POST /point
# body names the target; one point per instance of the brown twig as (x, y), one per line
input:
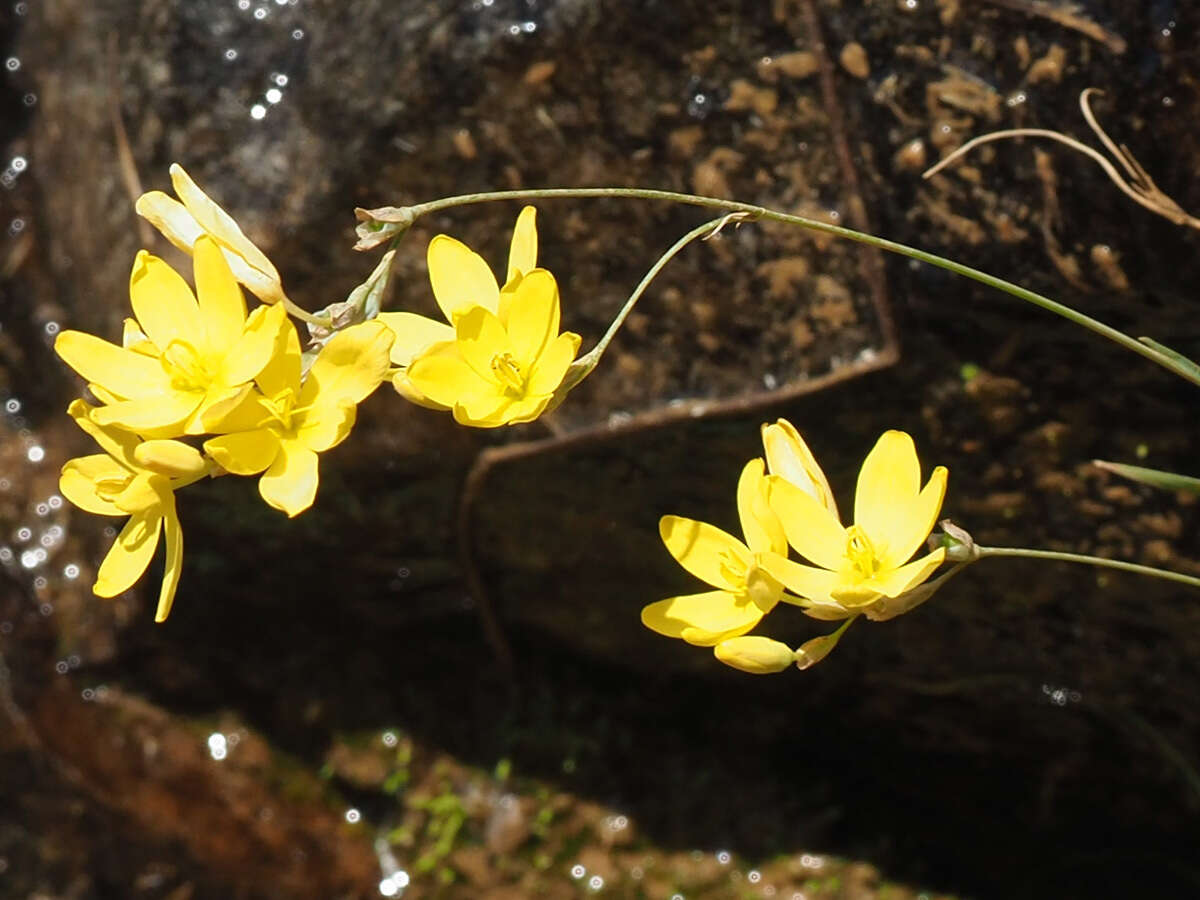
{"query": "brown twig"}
(1137, 184)
(129, 172)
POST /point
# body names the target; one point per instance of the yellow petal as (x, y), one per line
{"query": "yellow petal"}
(282, 371)
(290, 484)
(245, 452)
(895, 582)
(165, 413)
(701, 619)
(174, 459)
(242, 410)
(522, 252)
(533, 313)
(326, 425)
(163, 303)
(219, 403)
(173, 538)
(409, 392)
(349, 367)
(413, 334)
(705, 550)
(789, 457)
(912, 526)
(809, 526)
(81, 476)
(133, 338)
(484, 410)
(444, 378)
(481, 339)
(129, 555)
(526, 410)
(123, 372)
(551, 367)
(755, 654)
(118, 444)
(809, 582)
(888, 484)
(220, 225)
(459, 277)
(760, 525)
(222, 306)
(145, 491)
(170, 217)
(259, 339)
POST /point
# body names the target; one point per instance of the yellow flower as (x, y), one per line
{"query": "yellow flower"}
(857, 566)
(500, 370)
(789, 457)
(181, 357)
(138, 479)
(184, 223)
(755, 654)
(745, 591)
(460, 280)
(280, 431)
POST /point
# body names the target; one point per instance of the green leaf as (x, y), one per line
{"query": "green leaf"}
(1167, 481)
(1179, 363)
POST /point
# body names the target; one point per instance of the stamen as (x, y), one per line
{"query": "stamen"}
(508, 372)
(860, 552)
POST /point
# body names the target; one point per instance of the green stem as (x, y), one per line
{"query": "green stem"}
(305, 316)
(761, 212)
(1165, 574)
(589, 360)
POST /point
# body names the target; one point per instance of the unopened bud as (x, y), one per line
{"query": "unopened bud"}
(754, 654)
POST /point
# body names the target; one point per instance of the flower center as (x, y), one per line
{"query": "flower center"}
(185, 366)
(508, 373)
(861, 556)
(281, 407)
(109, 488)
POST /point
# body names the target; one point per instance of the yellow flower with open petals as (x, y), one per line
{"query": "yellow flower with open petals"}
(858, 565)
(184, 223)
(745, 592)
(138, 479)
(460, 279)
(183, 356)
(280, 431)
(500, 369)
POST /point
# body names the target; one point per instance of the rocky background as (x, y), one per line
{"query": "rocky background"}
(435, 682)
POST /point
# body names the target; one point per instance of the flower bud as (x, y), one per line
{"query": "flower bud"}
(754, 654)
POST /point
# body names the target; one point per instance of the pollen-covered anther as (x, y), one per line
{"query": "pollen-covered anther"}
(182, 362)
(508, 372)
(860, 552)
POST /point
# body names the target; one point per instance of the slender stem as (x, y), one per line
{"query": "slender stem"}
(592, 357)
(305, 316)
(1165, 574)
(761, 212)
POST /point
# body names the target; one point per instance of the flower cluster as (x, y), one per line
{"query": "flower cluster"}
(499, 358)
(860, 569)
(200, 387)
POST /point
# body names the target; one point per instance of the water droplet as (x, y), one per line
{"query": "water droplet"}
(52, 328)
(578, 871)
(88, 695)
(6, 627)
(514, 29)
(1168, 101)
(40, 583)
(21, 8)
(595, 882)
(217, 746)
(16, 226)
(54, 501)
(71, 571)
(12, 406)
(231, 54)
(298, 34)
(280, 79)
(6, 555)
(61, 667)
(24, 533)
(754, 876)
(261, 13)
(274, 95)
(29, 99)
(35, 454)
(18, 164)
(12, 64)
(530, 28)
(258, 111)
(723, 857)
(353, 815)
(243, 5)
(390, 739)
